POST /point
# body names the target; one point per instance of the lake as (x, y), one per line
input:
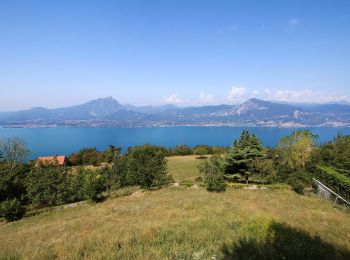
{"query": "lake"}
(64, 141)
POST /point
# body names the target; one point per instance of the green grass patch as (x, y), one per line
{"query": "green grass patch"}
(184, 167)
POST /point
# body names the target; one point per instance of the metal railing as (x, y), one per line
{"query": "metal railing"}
(323, 189)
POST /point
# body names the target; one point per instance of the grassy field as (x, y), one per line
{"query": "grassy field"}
(185, 223)
(183, 168)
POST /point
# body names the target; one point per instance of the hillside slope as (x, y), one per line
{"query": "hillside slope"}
(185, 223)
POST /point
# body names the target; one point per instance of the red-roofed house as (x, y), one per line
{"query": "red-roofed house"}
(61, 160)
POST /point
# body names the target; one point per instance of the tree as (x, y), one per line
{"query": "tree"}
(212, 169)
(182, 150)
(263, 169)
(111, 153)
(202, 150)
(88, 184)
(335, 153)
(12, 181)
(14, 151)
(49, 185)
(294, 151)
(86, 156)
(12, 209)
(239, 160)
(117, 175)
(146, 166)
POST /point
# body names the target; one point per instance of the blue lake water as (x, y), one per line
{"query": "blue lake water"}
(59, 141)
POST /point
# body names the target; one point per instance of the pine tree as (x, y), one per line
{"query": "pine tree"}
(239, 160)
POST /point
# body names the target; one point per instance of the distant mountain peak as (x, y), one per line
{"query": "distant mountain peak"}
(108, 111)
(105, 99)
(255, 100)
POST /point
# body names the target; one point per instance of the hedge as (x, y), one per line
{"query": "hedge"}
(344, 172)
(338, 182)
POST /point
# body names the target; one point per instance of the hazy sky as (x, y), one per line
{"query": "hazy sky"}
(58, 53)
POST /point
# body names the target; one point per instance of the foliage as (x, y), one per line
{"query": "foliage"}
(88, 184)
(245, 150)
(344, 172)
(117, 175)
(263, 170)
(12, 181)
(49, 185)
(181, 150)
(212, 169)
(146, 166)
(293, 152)
(14, 151)
(335, 153)
(111, 153)
(299, 180)
(338, 182)
(202, 150)
(12, 209)
(86, 156)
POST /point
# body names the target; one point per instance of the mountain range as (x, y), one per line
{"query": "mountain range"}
(108, 112)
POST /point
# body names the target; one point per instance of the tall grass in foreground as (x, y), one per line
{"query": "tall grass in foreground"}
(183, 223)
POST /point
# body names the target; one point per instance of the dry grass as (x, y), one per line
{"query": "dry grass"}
(170, 223)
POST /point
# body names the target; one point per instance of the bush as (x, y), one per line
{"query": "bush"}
(298, 187)
(86, 156)
(12, 209)
(212, 170)
(181, 150)
(88, 185)
(335, 153)
(117, 174)
(344, 172)
(147, 167)
(299, 181)
(264, 171)
(334, 180)
(49, 185)
(202, 150)
(12, 181)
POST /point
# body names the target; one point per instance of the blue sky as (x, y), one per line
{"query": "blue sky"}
(59, 53)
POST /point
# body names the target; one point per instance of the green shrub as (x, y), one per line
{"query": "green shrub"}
(212, 169)
(49, 185)
(88, 185)
(299, 181)
(181, 150)
(298, 187)
(334, 180)
(147, 167)
(116, 175)
(344, 172)
(12, 209)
